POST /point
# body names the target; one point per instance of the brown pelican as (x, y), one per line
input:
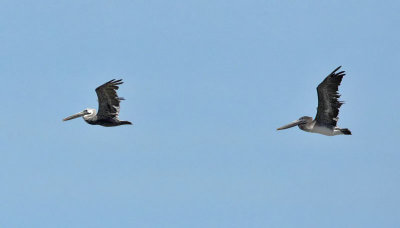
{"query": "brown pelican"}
(327, 111)
(108, 107)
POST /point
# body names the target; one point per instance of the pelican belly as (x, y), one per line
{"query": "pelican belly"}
(323, 130)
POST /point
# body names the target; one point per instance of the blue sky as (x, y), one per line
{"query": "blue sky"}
(206, 85)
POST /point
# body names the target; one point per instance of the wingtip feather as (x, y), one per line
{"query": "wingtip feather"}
(337, 68)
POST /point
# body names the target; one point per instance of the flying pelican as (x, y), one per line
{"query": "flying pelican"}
(108, 107)
(327, 111)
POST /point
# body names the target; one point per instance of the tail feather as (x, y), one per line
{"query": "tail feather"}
(345, 131)
(125, 122)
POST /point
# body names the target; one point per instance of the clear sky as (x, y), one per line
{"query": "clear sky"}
(206, 85)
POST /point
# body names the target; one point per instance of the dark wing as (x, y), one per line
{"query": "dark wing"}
(108, 99)
(328, 103)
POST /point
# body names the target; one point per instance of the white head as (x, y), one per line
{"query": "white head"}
(86, 114)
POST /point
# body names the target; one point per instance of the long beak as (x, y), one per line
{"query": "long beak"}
(292, 124)
(75, 116)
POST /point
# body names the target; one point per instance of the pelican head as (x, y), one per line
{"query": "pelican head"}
(85, 113)
(300, 122)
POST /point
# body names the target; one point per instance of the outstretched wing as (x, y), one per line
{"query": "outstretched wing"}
(108, 99)
(328, 103)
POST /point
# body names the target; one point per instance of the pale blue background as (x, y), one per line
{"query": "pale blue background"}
(206, 84)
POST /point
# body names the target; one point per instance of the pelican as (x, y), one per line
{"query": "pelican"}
(328, 109)
(108, 107)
